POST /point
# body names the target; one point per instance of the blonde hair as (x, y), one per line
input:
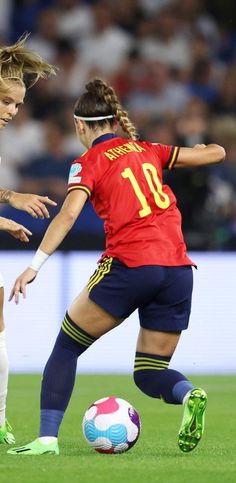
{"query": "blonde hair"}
(23, 65)
(4, 88)
(101, 100)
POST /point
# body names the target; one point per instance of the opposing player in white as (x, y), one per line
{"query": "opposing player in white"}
(19, 68)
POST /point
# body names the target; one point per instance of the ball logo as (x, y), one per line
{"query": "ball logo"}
(75, 169)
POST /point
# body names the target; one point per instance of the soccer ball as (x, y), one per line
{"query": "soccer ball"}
(111, 425)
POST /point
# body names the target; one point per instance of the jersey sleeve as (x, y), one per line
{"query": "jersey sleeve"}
(168, 155)
(81, 177)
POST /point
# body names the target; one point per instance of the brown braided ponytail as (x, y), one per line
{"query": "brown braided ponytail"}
(21, 64)
(99, 99)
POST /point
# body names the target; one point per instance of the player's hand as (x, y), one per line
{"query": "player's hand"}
(15, 229)
(20, 284)
(32, 204)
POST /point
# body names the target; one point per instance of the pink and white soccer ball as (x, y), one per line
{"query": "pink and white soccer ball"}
(111, 425)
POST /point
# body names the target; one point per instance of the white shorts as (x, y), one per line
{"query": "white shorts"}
(1, 281)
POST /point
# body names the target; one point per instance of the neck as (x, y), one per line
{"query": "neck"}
(96, 134)
(99, 133)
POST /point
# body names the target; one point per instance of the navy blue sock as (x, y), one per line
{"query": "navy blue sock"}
(59, 375)
(152, 376)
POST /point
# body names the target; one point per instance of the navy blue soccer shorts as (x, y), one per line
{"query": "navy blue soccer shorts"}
(162, 295)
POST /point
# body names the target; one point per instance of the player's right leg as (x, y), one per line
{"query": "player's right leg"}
(85, 321)
(193, 422)
(154, 378)
(60, 370)
(6, 436)
(162, 321)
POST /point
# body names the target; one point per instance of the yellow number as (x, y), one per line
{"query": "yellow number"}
(161, 199)
(146, 210)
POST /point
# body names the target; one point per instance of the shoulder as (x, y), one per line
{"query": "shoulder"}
(78, 162)
(151, 145)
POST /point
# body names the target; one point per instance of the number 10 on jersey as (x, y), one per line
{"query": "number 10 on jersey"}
(162, 200)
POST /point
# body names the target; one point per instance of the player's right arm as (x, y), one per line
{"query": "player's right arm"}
(63, 222)
(55, 234)
(200, 155)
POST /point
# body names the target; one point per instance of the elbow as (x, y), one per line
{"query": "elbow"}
(68, 218)
(220, 154)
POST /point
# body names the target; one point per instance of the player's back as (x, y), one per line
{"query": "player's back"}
(142, 223)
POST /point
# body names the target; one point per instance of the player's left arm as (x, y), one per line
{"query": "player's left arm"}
(55, 234)
(199, 155)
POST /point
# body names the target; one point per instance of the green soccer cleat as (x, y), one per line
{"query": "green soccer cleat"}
(36, 448)
(192, 426)
(6, 436)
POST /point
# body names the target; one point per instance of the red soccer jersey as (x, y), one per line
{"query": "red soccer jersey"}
(124, 181)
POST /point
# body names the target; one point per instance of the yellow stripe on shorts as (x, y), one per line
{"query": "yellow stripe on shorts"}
(103, 269)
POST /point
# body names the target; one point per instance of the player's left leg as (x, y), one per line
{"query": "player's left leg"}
(6, 436)
(154, 378)
(84, 323)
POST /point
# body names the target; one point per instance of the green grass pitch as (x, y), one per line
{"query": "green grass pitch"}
(155, 457)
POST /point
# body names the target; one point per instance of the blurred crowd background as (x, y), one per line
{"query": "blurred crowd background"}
(173, 64)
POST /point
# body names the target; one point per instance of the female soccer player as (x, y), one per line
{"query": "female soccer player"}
(144, 266)
(19, 68)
